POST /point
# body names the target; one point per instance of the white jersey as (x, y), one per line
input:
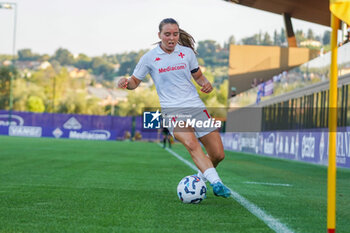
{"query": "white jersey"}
(171, 74)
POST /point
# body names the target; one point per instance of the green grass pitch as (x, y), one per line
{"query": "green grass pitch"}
(49, 185)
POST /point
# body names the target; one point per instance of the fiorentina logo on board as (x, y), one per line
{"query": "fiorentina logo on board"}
(72, 123)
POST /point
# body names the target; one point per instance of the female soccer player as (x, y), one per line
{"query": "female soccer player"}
(171, 65)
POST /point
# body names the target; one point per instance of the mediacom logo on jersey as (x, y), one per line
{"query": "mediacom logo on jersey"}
(180, 66)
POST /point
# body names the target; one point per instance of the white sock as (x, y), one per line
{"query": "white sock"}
(211, 175)
(200, 175)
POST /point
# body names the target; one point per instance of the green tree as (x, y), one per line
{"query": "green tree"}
(4, 57)
(310, 34)
(326, 39)
(252, 40)
(110, 58)
(74, 103)
(63, 56)
(299, 35)
(35, 104)
(23, 90)
(127, 67)
(210, 51)
(93, 106)
(283, 36)
(128, 61)
(231, 40)
(201, 61)
(276, 38)
(54, 84)
(83, 62)
(100, 66)
(206, 48)
(267, 39)
(222, 93)
(44, 57)
(137, 101)
(5, 76)
(27, 55)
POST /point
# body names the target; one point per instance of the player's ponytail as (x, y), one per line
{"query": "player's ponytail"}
(185, 39)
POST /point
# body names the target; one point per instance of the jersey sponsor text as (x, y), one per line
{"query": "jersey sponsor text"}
(180, 66)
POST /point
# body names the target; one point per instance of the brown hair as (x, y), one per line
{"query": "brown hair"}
(185, 39)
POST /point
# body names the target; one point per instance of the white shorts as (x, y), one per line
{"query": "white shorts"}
(197, 118)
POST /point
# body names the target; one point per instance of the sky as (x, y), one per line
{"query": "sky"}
(115, 26)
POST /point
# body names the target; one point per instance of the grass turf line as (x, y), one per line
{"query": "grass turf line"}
(49, 185)
(303, 206)
(269, 220)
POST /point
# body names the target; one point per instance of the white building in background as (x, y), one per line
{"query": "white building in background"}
(44, 65)
(30, 65)
(6, 63)
(108, 96)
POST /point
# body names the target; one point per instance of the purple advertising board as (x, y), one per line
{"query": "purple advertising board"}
(72, 126)
(308, 146)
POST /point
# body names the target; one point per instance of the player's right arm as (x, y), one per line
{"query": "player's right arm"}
(140, 72)
(130, 83)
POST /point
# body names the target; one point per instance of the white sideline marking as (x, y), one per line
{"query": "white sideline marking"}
(263, 183)
(270, 221)
(191, 165)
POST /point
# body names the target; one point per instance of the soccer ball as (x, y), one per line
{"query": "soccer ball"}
(191, 189)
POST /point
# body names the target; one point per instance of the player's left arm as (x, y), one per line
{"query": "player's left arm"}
(202, 81)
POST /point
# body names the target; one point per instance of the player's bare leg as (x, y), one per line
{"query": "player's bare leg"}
(204, 163)
(187, 137)
(214, 147)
